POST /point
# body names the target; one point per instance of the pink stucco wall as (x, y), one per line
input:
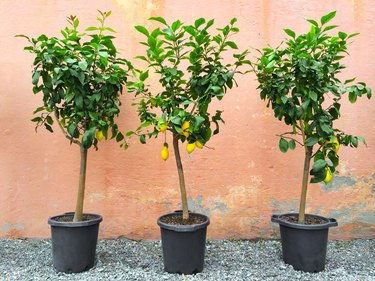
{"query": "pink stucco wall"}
(239, 183)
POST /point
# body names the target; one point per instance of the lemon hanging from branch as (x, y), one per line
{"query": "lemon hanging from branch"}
(328, 177)
(164, 153)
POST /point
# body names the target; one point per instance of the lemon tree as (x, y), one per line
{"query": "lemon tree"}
(299, 80)
(189, 62)
(79, 78)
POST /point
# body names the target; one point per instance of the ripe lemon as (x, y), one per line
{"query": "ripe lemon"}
(328, 177)
(164, 153)
(185, 128)
(163, 127)
(99, 135)
(335, 144)
(199, 144)
(190, 147)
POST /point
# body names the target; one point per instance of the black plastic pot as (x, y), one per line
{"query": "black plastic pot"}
(304, 246)
(74, 243)
(183, 245)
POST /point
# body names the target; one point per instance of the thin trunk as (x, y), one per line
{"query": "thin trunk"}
(185, 209)
(81, 187)
(306, 170)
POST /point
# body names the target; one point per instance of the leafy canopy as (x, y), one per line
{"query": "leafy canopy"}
(80, 78)
(188, 60)
(299, 81)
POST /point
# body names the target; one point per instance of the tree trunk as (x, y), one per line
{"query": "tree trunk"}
(306, 170)
(185, 208)
(81, 187)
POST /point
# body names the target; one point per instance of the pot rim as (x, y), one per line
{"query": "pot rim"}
(330, 222)
(52, 220)
(183, 228)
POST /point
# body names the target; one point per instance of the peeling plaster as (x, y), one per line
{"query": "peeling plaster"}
(284, 206)
(337, 182)
(6, 227)
(366, 218)
(195, 205)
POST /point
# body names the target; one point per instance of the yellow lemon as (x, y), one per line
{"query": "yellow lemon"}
(99, 135)
(163, 128)
(190, 147)
(335, 144)
(328, 177)
(185, 128)
(199, 144)
(164, 153)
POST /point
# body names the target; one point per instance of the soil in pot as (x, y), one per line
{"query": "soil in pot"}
(184, 243)
(178, 220)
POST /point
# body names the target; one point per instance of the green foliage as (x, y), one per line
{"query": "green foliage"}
(299, 81)
(80, 79)
(188, 60)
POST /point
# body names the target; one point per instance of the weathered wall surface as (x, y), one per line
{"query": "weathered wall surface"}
(239, 184)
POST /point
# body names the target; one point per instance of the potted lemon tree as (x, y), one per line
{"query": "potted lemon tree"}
(189, 62)
(299, 80)
(79, 78)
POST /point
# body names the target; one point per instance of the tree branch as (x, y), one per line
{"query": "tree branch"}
(65, 133)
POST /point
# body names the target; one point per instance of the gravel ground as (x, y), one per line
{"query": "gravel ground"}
(124, 259)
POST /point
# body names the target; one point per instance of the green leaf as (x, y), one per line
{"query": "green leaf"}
(143, 75)
(290, 32)
(334, 158)
(159, 19)
(352, 97)
(349, 80)
(311, 141)
(319, 165)
(142, 30)
(283, 145)
(119, 137)
(327, 17)
(199, 22)
(362, 139)
(48, 127)
(175, 25)
(36, 119)
(329, 27)
(354, 141)
(79, 101)
(231, 44)
(88, 137)
(353, 34)
(313, 96)
(342, 35)
(312, 22)
(142, 139)
(270, 64)
(73, 130)
(35, 78)
(81, 77)
(110, 29)
(49, 120)
(190, 29)
(292, 144)
(103, 54)
(82, 65)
